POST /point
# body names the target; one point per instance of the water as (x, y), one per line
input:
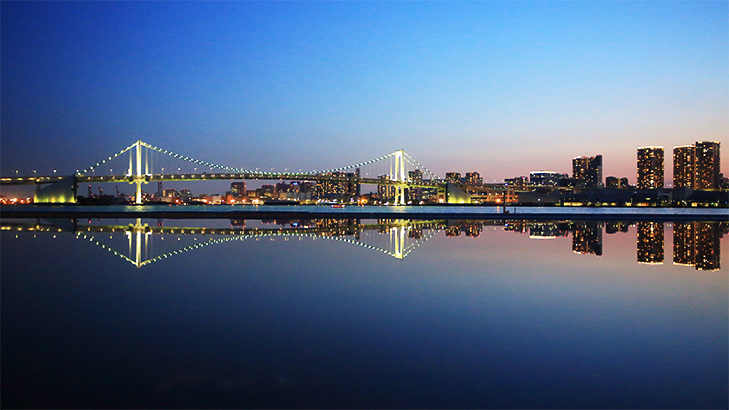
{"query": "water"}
(219, 313)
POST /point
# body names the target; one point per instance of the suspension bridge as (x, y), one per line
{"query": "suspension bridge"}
(144, 166)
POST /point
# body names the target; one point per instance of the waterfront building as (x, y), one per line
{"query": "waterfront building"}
(650, 243)
(546, 178)
(517, 182)
(454, 177)
(617, 183)
(588, 169)
(473, 178)
(385, 192)
(650, 167)
(238, 188)
(415, 176)
(415, 194)
(683, 166)
(612, 182)
(171, 193)
(706, 165)
(339, 185)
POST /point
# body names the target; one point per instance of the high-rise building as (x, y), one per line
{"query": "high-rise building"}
(650, 167)
(238, 188)
(385, 191)
(473, 178)
(415, 193)
(517, 182)
(683, 166)
(588, 169)
(650, 243)
(706, 165)
(339, 184)
(454, 177)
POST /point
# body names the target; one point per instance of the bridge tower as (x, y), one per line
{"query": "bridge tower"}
(138, 178)
(399, 175)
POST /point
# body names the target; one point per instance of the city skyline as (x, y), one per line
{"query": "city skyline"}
(700, 160)
(498, 88)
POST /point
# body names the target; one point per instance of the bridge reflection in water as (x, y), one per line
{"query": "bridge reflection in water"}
(134, 242)
(695, 243)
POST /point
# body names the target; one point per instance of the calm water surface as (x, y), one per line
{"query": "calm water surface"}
(154, 313)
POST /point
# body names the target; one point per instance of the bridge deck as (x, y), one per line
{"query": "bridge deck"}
(213, 177)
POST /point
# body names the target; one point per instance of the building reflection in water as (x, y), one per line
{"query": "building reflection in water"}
(587, 238)
(616, 227)
(650, 243)
(697, 244)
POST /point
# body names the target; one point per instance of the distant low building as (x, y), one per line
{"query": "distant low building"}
(546, 178)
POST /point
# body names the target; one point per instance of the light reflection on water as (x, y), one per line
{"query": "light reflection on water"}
(366, 313)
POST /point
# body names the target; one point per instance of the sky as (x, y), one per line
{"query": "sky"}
(502, 88)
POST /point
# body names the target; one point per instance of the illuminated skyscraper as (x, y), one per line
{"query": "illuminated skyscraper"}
(588, 169)
(339, 184)
(385, 192)
(683, 166)
(706, 165)
(415, 193)
(650, 167)
(650, 242)
(473, 178)
(454, 177)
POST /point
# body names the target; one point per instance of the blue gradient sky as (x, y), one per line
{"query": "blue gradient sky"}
(502, 88)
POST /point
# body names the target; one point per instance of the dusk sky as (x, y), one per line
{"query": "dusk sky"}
(502, 88)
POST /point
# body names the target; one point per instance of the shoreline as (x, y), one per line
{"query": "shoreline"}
(363, 212)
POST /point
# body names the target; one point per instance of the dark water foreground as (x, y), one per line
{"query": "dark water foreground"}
(350, 312)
